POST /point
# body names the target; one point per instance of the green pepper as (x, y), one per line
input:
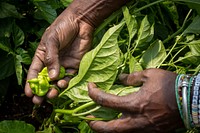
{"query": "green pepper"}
(62, 72)
(40, 85)
(43, 86)
(34, 85)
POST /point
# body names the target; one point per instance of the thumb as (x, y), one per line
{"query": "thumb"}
(134, 79)
(52, 58)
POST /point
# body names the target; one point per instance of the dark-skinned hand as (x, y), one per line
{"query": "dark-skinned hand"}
(64, 43)
(152, 109)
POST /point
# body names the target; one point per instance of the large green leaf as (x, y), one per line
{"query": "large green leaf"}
(5, 46)
(194, 26)
(18, 69)
(9, 126)
(190, 58)
(130, 22)
(145, 33)
(153, 55)
(8, 10)
(18, 35)
(195, 47)
(6, 27)
(45, 11)
(134, 65)
(99, 66)
(23, 56)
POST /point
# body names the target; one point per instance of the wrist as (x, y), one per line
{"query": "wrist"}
(94, 12)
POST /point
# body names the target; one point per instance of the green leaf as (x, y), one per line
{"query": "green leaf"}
(171, 8)
(153, 55)
(5, 46)
(46, 11)
(18, 35)
(84, 128)
(23, 56)
(15, 126)
(190, 58)
(98, 66)
(134, 65)
(8, 10)
(6, 65)
(145, 33)
(194, 47)
(130, 22)
(18, 69)
(194, 26)
(66, 2)
(6, 27)
(122, 90)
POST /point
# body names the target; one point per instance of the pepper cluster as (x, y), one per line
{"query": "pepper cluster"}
(41, 85)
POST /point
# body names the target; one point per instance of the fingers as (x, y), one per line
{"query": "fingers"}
(125, 125)
(37, 100)
(134, 79)
(33, 71)
(120, 103)
(51, 59)
(63, 83)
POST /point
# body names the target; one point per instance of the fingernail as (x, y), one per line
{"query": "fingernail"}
(52, 73)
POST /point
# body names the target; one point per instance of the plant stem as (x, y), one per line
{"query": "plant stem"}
(87, 112)
(84, 106)
(74, 111)
(174, 35)
(64, 111)
(93, 119)
(146, 6)
(180, 30)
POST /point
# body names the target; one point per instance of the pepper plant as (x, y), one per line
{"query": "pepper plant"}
(144, 34)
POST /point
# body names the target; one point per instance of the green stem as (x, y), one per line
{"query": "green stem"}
(146, 6)
(87, 112)
(74, 111)
(84, 106)
(176, 54)
(173, 35)
(169, 51)
(93, 119)
(64, 111)
(180, 30)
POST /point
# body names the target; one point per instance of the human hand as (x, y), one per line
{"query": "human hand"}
(64, 43)
(152, 109)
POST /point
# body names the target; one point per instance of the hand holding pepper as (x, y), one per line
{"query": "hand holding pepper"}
(67, 39)
(63, 43)
(153, 106)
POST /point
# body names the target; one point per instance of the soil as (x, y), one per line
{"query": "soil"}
(16, 106)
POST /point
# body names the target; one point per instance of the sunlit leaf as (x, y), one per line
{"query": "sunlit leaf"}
(130, 22)
(194, 26)
(145, 33)
(18, 69)
(153, 55)
(98, 65)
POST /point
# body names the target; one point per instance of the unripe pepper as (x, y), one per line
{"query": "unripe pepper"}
(43, 87)
(40, 85)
